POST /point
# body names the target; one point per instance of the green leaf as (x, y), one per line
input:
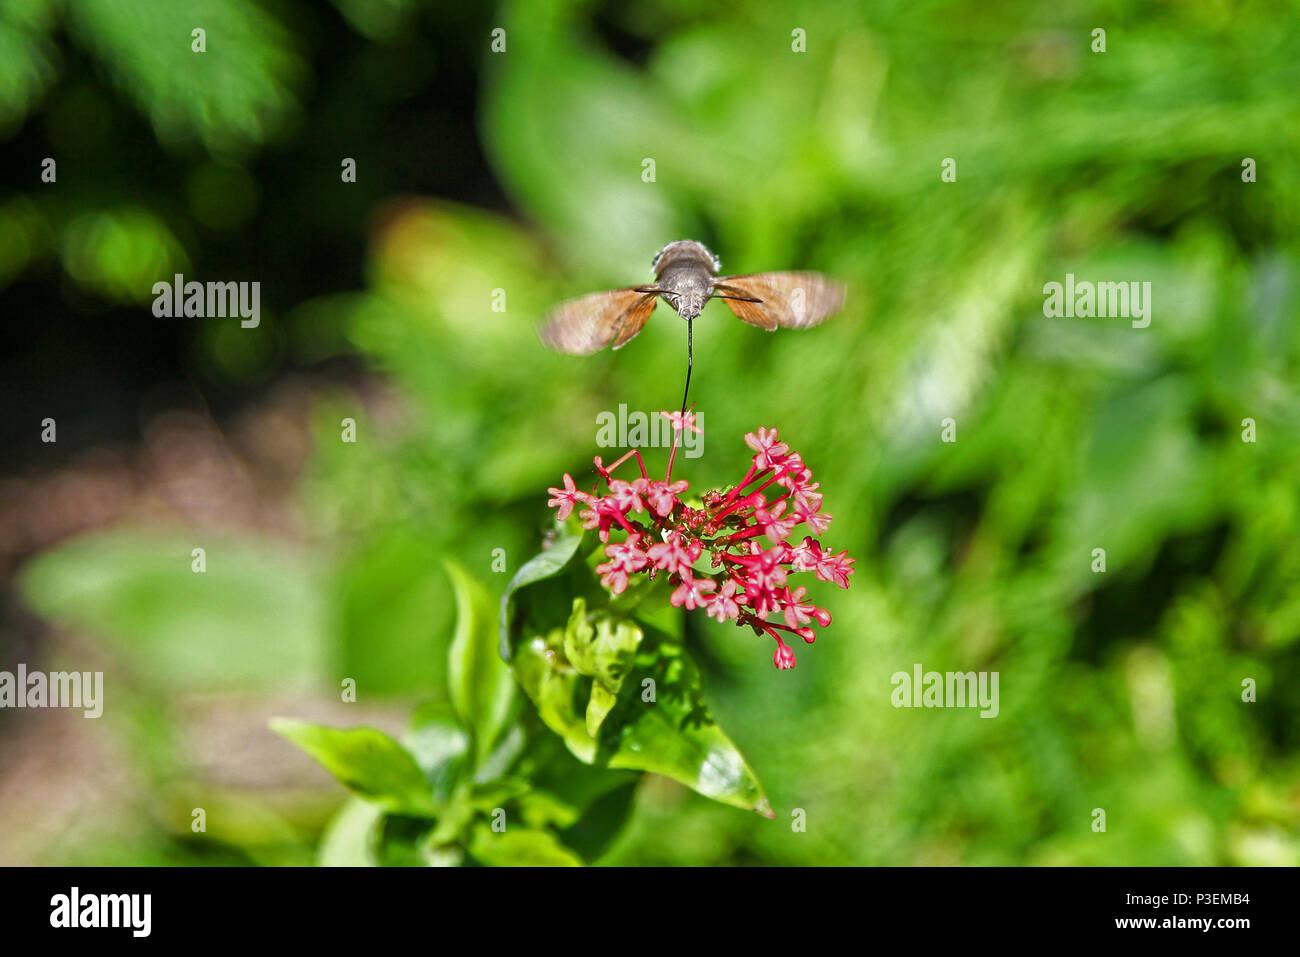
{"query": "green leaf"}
(503, 758)
(453, 820)
(520, 847)
(605, 649)
(443, 856)
(599, 706)
(481, 687)
(555, 609)
(440, 747)
(28, 65)
(601, 646)
(557, 690)
(657, 720)
(366, 761)
(675, 735)
(350, 837)
(555, 770)
(547, 564)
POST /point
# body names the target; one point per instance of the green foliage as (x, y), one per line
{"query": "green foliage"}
(525, 848)
(28, 58)
(151, 50)
(368, 762)
(481, 686)
(456, 791)
(620, 692)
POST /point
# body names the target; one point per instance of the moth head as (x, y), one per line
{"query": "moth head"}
(687, 304)
(691, 305)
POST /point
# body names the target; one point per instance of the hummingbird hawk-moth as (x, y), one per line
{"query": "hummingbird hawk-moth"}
(686, 277)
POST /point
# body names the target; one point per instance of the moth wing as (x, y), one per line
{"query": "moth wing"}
(635, 319)
(590, 323)
(785, 300)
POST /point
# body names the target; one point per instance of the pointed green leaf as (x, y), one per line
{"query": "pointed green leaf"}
(547, 564)
(599, 706)
(481, 687)
(366, 761)
(675, 735)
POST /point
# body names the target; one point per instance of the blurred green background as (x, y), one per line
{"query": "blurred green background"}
(522, 171)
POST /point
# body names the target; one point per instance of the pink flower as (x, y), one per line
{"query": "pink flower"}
(770, 452)
(796, 610)
(835, 569)
(764, 600)
(628, 555)
(774, 526)
(805, 556)
(612, 577)
(767, 568)
(806, 498)
(676, 554)
(626, 496)
(565, 498)
(599, 517)
(722, 606)
(794, 474)
(682, 421)
(692, 593)
(818, 522)
(662, 496)
(745, 528)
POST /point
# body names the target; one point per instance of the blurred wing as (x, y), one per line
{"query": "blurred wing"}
(786, 300)
(590, 323)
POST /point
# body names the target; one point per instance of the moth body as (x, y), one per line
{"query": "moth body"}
(687, 277)
(684, 273)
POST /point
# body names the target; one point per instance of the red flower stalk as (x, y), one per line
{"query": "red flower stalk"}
(744, 530)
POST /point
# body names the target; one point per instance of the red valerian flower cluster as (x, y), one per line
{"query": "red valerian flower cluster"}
(745, 530)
